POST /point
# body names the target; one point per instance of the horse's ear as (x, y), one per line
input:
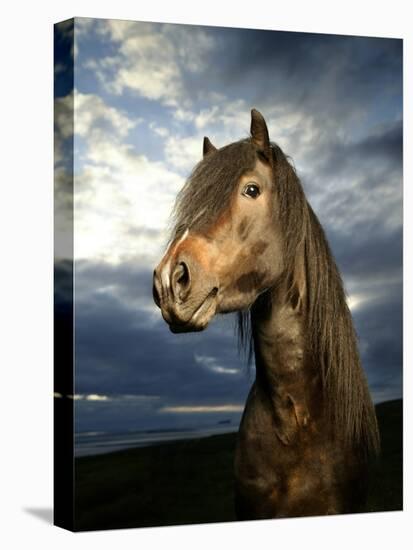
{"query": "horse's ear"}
(208, 147)
(259, 130)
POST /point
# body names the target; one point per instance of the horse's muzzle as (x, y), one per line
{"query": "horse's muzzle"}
(186, 295)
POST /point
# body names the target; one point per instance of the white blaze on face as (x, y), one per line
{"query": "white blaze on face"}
(171, 252)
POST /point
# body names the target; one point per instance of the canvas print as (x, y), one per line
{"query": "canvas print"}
(228, 274)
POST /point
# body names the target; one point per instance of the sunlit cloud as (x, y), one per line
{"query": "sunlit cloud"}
(355, 301)
(116, 398)
(151, 59)
(91, 397)
(213, 365)
(122, 199)
(92, 114)
(187, 409)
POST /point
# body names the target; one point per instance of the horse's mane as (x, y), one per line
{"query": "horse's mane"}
(331, 336)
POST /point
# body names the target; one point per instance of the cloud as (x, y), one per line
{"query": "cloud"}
(114, 201)
(203, 409)
(63, 118)
(160, 130)
(91, 397)
(356, 184)
(147, 94)
(105, 398)
(380, 328)
(184, 152)
(124, 348)
(151, 59)
(211, 363)
(63, 176)
(92, 114)
(116, 187)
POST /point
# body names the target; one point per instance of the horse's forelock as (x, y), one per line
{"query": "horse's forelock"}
(207, 191)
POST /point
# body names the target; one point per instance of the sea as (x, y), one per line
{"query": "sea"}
(97, 443)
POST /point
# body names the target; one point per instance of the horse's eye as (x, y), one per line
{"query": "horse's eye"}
(251, 190)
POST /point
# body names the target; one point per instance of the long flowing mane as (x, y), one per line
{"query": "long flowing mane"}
(331, 337)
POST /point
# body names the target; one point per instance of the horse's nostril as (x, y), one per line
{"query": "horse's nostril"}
(181, 280)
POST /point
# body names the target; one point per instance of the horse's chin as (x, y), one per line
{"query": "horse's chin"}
(178, 328)
(200, 319)
(190, 326)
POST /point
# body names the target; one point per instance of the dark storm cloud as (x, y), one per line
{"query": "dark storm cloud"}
(95, 280)
(63, 57)
(63, 283)
(328, 75)
(369, 254)
(124, 348)
(356, 190)
(118, 354)
(382, 149)
(379, 326)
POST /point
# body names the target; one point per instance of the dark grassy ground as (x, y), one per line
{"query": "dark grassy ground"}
(387, 486)
(192, 481)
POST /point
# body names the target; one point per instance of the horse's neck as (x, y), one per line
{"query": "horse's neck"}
(285, 375)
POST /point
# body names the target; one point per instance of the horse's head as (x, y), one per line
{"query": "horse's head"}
(225, 249)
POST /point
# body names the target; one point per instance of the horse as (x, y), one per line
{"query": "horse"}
(245, 239)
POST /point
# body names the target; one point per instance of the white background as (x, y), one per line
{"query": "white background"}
(26, 233)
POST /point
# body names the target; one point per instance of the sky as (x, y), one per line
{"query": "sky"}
(145, 95)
